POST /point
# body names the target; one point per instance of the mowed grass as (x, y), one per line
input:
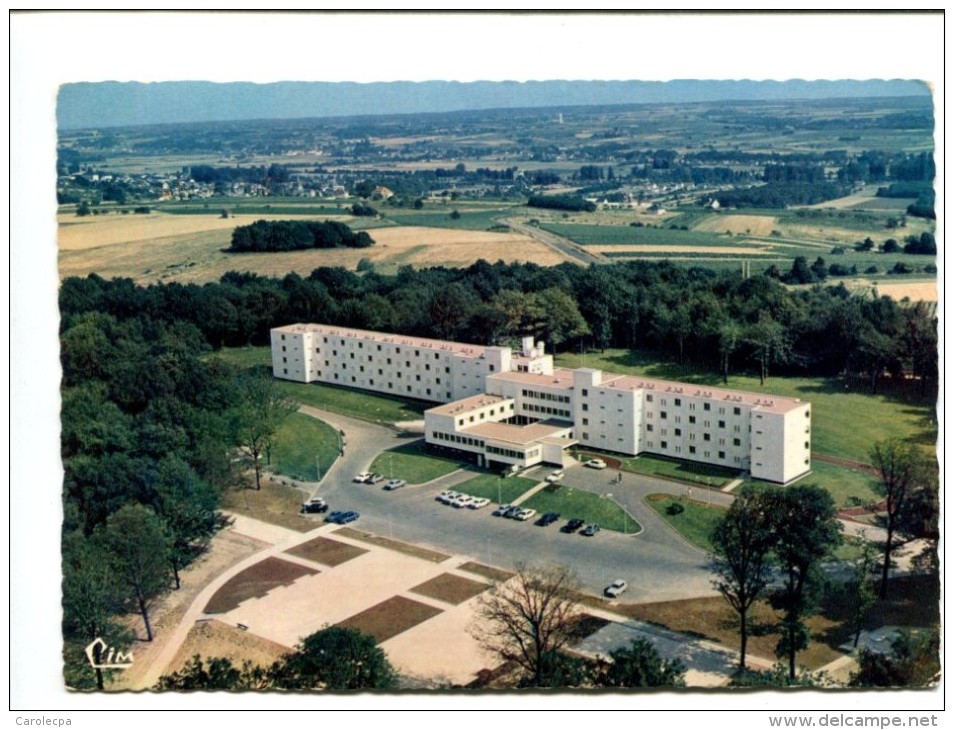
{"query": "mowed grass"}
(300, 444)
(695, 523)
(413, 463)
(587, 506)
(496, 488)
(683, 471)
(596, 235)
(844, 424)
(470, 219)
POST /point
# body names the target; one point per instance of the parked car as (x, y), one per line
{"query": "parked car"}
(525, 514)
(395, 484)
(572, 526)
(314, 505)
(347, 517)
(512, 512)
(548, 519)
(501, 510)
(615, 589)
(478, 502)
(462, 500)
(595, 464)
(374, 478)
(555, 476)
(362, 478)
(591, 530)
(446, 496)
(334, 516)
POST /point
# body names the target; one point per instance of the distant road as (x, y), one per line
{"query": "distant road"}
(559, 243)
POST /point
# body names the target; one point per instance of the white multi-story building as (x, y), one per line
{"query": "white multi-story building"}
(516, 408)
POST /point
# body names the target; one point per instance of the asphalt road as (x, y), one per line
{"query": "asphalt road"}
(657, 563)
(563, 245)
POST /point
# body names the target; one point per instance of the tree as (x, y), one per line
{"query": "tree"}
(904, 470)
(136, 544)
(742, 543)
(215, 673)
(92, 597)
(334, 658)
(806, 530)
(864, 593)
(529, 617)
(455, 214)
(263, 408)
(913, 662)
(770, 343)
(640, 665)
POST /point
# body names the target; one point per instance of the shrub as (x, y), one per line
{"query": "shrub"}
(675, 509)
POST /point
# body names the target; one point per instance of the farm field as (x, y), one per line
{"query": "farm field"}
(188, 248)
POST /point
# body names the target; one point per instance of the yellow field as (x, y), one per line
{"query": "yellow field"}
(916, 291)
(756, 225)
(158, 247)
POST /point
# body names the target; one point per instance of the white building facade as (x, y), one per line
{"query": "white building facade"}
(516, 409)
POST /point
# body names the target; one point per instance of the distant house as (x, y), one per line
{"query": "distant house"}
(382, 192)
(715, 205)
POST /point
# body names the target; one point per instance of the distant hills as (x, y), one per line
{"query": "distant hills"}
(119, 104)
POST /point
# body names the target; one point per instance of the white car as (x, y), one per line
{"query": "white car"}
(394, 484)
(446, 496)
(595, 464)
(362, 478)
(525, 514)
(462, 500)
(615, 589)
(555, 476)
(479, 502)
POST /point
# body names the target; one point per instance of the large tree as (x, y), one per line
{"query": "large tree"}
(334, 658)
(529, 617)
(905, 474)
(136, 544)
(640, 665)
(742, 544)
(262, 409)
(806, 531)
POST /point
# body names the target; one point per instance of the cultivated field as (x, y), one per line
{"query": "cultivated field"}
(756, 225)
(728, 250)
(188, 248)
(916, 291)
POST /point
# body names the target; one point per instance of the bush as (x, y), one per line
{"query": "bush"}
(675, 509)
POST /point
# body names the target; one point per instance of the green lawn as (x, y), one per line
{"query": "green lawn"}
(440, 217)
(848, 487)
(587, 506)
(844, 424)
(684, 471)
(496, 488)
(413, 463)
(695, 523)
(615, 235)
(301, 444)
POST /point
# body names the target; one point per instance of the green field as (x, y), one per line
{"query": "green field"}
(695, 523)
(683, 471)
(596, 235)
(472, 220)
(496, 488)
(413, 463)
(302, 444)
(579, 504)
(844, 425)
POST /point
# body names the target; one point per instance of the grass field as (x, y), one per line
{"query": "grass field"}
(843, 424)
(695, 523)
(587, 506)
(496, 488)
(413, 463)
(683, 471)
(299, 441)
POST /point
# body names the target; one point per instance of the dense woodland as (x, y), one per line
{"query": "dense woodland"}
(295, 235)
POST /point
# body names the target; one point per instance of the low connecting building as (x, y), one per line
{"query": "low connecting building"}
(509, 408)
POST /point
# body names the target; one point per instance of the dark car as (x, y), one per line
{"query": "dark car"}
(512, 512)
(334, 516)
(548, 519)
(572, 526)
(315, 505)
(350, 516)
(591, 530)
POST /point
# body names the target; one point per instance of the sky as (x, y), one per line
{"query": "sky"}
(53, 48)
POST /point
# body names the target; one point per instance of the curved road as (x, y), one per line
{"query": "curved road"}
(563, 245)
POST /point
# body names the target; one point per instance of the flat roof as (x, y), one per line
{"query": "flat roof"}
(561, 378)
(466, 405)
(521, 435)
(455, 348)
(758, 401)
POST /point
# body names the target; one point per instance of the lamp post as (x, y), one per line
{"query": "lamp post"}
(318, 466)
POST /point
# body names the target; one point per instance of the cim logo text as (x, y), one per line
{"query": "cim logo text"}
(108, 657)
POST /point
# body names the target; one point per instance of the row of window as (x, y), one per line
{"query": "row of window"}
(511, 453)
(483, 414)
(545, 396)
(455, 439)
(547, 410)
